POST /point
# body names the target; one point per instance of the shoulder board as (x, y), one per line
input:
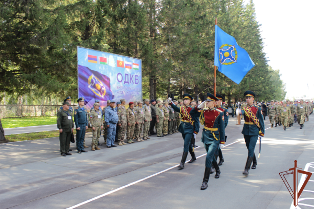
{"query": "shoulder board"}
(219, 110)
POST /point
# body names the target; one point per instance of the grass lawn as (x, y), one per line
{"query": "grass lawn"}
(28, 121)
(34, 136)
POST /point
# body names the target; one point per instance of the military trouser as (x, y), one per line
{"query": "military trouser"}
(80, 137)
(146, 129)
(139, 130)
(250, 142)
(65, 138)
(174, 126)
(121, 131)
(130, 132)
(105, 132)
(170, 124)
(165, 127)
(301, 119)
(153, 123)
(96, 135)
(285, 121)
(111, 134)
(271, 119)
(159, 126)
(187, 141)
(210, 148)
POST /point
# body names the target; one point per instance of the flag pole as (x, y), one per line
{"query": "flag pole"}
(215, 69)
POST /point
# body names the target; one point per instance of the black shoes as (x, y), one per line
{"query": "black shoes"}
(221, 161)
(68, 153)
(253, 166)
(247, 166)
(83, 151)
(70, 149)
(108, 146)
(217, 174)
(193, 156)
(184, 155)
(63, 154)
(113, 145)
(205, 179)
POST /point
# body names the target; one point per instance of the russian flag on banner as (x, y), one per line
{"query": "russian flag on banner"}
(128, 65)
(136, 66)
(92, 59)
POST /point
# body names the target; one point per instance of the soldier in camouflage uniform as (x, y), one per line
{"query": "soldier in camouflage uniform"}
(278, 113)
(291, 116)
(159, 119)
(301, 114)
(307, 110)
(139, 116)
(285, 115)
(96, 122)
(272, 113)
(105, 125)
(171, 120)
(122, 122)
(147, 118)
(130, 115)
(135, 127)
(166, 119)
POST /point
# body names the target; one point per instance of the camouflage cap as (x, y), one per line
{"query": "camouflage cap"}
(140, 101)
(146, 100)
(122, 100)
(108, 101)
(96, 104)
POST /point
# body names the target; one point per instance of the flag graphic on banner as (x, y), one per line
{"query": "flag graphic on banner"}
(92, 59)
(136, 66)
(103, 60)
(231, 60)
(120, 63)
(128, 65)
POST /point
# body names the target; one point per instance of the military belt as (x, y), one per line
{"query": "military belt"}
(186, 121)
(211, 129)
(249, 123)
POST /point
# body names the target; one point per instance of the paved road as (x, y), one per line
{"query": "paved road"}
(30, 129)
(34, 175)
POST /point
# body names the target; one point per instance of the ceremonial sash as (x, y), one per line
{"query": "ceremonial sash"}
(248, 112)
(186, 114)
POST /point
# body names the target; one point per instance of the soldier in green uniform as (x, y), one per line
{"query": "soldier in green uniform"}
(285, 115)
(136, 127)
(278, 114)
(147, 119)
(213, 134)
(171, 120)
(96, 122)
(159, 119)
(105, 124)
(122, 122)
(166, 119)
(272, 113)
(130, 115)
(301, 114)
(68, 99)
(65, 126)
(307, 110)
(140, 121)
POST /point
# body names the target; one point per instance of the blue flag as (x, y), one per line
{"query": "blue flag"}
(231, 60)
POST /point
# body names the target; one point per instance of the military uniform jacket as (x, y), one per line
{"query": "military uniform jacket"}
(122, 114)
(96, 119)
(272, 110)
(153, 108)
(226, 115)
(147, 113)
(65, 120)
(285, 112)
(185, 126)
(301, 109)
(160, 113)
(249, 128)
(166, 112)
(171, 113)
(130, 115)
(111, 116)
(214, 126)
(80, 116)
(139, 115)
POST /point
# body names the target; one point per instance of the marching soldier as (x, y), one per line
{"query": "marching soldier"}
(96, 122)
(122, 122)
(147, 119)
(111, 121)
(278, 114)
(301, 114)
(130, 115)
(81, 122)
(189, 125)
(285, 115)
(65, 126)
(176, 116)
(252, 128)
(213, 134)
(272, 113)
(166, 119)
(159, 119)
(140, 120)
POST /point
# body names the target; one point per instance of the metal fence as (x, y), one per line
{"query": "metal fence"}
(7, 111)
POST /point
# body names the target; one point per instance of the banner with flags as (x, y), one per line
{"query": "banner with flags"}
(231, 60)
(104, 76)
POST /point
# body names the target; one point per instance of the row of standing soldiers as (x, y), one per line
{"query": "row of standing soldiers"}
(286, 113)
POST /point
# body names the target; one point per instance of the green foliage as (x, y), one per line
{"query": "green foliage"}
(174, 39)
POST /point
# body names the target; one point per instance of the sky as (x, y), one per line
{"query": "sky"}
(287, 30)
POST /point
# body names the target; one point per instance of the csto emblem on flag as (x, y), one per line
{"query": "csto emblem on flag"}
(228, 54)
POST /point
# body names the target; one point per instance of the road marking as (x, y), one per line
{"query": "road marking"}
(140, 180)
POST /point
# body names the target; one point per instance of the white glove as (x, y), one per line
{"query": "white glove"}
(194, 136)
(202, 105)
(221, 146)
(169, 99)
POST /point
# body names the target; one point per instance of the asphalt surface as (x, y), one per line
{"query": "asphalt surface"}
(143, 174)
(30, 129)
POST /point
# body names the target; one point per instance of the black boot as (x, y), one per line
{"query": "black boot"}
(221, 161)
(284, 128)
(254, 162)
(300, 126)
(217, 174)
(247, 166)
(205, 179)
(192, 155)
(276, 125)
(184, 155)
